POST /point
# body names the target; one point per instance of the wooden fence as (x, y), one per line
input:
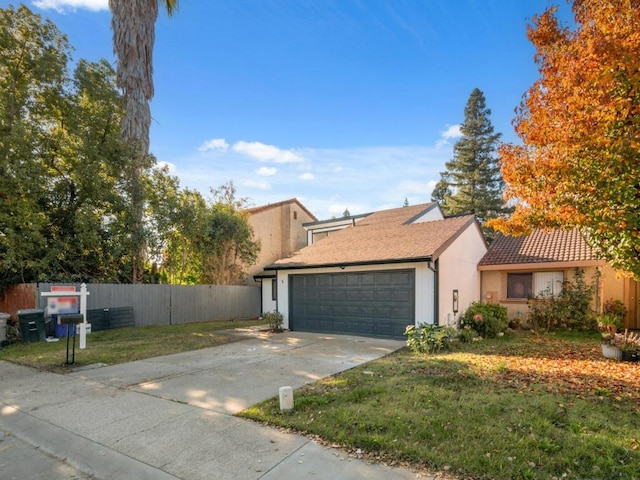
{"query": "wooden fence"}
(164, 304)
(18, 297)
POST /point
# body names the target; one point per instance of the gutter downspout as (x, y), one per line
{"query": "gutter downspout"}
(436, 293)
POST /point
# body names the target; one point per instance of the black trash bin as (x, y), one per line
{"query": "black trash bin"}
(32, 325)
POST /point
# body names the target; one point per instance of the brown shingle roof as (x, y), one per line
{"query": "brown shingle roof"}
(539, 247)
(379, 238)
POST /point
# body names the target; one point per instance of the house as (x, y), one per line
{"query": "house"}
(279, 228)
(375, 274)
(515, 269)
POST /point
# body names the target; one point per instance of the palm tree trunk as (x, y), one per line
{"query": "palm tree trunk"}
(133, 25)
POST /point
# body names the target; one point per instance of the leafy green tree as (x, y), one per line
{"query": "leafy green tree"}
(472, 182)
(184, 255)
(64, 211)
(33, 75)
(212, 243)
(232, 245)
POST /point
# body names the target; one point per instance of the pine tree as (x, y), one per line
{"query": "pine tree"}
(472, 182)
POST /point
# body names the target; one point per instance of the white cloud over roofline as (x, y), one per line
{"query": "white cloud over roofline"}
(265, 153)
(266, 171)
(65, 5)
(258, 184)
(217, 144)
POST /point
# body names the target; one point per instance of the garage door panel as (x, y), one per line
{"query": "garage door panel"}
(379, 303)
(382, 279)
(383, 296)
(401, 296)
(354, 295)
(339, 295)
(367, 279)
(402, 279)
(368, 295)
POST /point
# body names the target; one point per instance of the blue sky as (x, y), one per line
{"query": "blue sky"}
(343, 104)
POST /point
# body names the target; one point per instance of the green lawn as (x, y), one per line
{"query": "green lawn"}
(125, 344)
(518, 407)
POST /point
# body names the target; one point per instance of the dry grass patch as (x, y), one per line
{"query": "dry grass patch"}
(126, 344)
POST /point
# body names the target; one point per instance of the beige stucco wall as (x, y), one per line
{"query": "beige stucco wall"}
(494, 286)
(280, 232)
(457, 270)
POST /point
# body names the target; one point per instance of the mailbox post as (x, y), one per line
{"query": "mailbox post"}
(71, 320)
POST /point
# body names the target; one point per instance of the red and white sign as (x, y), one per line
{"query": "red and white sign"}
(62, 305)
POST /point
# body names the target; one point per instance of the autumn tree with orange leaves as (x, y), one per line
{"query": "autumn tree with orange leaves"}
(579, 164)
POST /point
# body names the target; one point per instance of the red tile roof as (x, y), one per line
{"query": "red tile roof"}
(382, 237)
(539, 247)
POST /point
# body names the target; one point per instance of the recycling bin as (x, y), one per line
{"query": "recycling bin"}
(32, 325)
(4, 317)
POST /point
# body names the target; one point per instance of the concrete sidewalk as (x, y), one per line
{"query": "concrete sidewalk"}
(172, 417)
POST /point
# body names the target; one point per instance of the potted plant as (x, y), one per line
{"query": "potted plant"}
(629, 344)
(608, 325)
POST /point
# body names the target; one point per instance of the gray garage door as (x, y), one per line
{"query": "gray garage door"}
(379, 303)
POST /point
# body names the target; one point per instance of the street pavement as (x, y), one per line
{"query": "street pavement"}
(172, 417)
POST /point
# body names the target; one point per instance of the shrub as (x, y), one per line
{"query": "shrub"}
(466, 334)
(488, 319)
(571, 309)
(610, 323)
(427, 338)
(275, 320)
(616, 308)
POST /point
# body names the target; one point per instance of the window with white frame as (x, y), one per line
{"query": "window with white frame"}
(532, 284)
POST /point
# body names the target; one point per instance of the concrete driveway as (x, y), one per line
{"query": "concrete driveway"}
(171, 417)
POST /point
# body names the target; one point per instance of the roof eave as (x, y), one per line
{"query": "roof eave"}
(543, 265)
(349, 263)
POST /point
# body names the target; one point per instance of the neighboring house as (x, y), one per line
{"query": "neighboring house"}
(375, 274)
(322, 229)
(515, 269)
(279, 228)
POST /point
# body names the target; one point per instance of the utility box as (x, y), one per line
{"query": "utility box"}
(32, 325)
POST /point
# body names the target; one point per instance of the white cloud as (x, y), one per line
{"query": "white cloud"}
(218, 144)
(265, 153)
(64, 5)
(266, 171)
(431, 184)
(260, 185)
(413, 187)
(337, 210)
(170, 167)
(369, 178)
(307, 176)
(452, 131)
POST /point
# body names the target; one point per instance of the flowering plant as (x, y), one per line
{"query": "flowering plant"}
(608, 325)
(627, 341)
